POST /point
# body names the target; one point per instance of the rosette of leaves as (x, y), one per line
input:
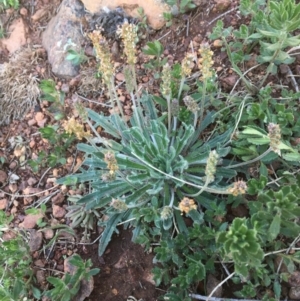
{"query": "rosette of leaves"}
(276, 212)
(155, 169)
(241, 244)
(79, 215)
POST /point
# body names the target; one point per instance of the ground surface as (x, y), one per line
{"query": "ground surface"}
(125, 267)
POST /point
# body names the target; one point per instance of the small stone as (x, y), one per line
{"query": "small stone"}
(120, 77)
(39, 263)
(39, 116)
(16, 203)
(23, 11)
(217, 43)
(3, 204)
(31, 122)
(32, 181)
(65, 88)
(55, 172)
(41, 278)
(13, 165)
(3, 176)
(41, 123)
(294, 293)
(48, 233)
(58, 212)
(39, 14)
(294, 279)
(14, 210)
(58, 199)
(13, 187)
(222, 5)
(35, 242)
(30, 221)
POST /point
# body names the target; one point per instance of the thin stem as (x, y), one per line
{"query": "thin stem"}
(251, 161)
(208, 189)
(135, 109)
(169, 113)
(172, 198)
(181, 87)
(202, 103)
(219, 285)
(112, 86)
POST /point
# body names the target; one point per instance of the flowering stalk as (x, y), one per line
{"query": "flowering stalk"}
(205, 63)
(166, 91)
(106, 67)
(186, 70)
(210, 170)
(128, 33)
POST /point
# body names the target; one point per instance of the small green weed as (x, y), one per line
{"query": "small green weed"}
(60, 141)
(9, 3)
(76, 57)
(67, 287)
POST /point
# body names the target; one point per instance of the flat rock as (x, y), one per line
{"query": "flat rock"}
(58, 212)
(36, 239)
(17, 38)
(153, 9)
(63, 30)
(30, 221)
(86, 287)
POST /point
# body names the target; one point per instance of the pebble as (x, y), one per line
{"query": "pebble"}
(3, 204)
(217, 43)
(23, 11)
(31, 122)
(120, 77)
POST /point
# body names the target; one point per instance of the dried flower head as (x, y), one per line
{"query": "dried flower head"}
(191, 104)
(205, 62)
(118, 205)
(110, 160)
(166, 80)
(239, 187)
(103, 55)
(275, 136)
(210, 169)
(187, 65)
(108, 177)
(186, 205)
(128, 33)
(72, 126)
(166, 213)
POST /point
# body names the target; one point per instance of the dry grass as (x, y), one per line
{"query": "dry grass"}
(19, 85)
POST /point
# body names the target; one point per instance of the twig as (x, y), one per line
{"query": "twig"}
(28, 195)
(164, 35)
(221, 16)
(42, 177)
(98, 103)
(219, 285)
(200, 297)
(294, 83)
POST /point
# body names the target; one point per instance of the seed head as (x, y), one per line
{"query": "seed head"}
(186, 205)
(166, 213)
(108, 177)
(210, 169)
(187, 65)
(239, 187)
(103, 55)
(72, 126)
(166, 80)
(191, 104)
(275, 136)
(205, 62)
(110, 160)
(128, 33)
(118, 205)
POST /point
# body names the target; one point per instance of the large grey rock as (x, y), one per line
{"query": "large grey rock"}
(63, 30)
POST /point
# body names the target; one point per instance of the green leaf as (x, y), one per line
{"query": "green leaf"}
(108, 232)
(274, 228)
